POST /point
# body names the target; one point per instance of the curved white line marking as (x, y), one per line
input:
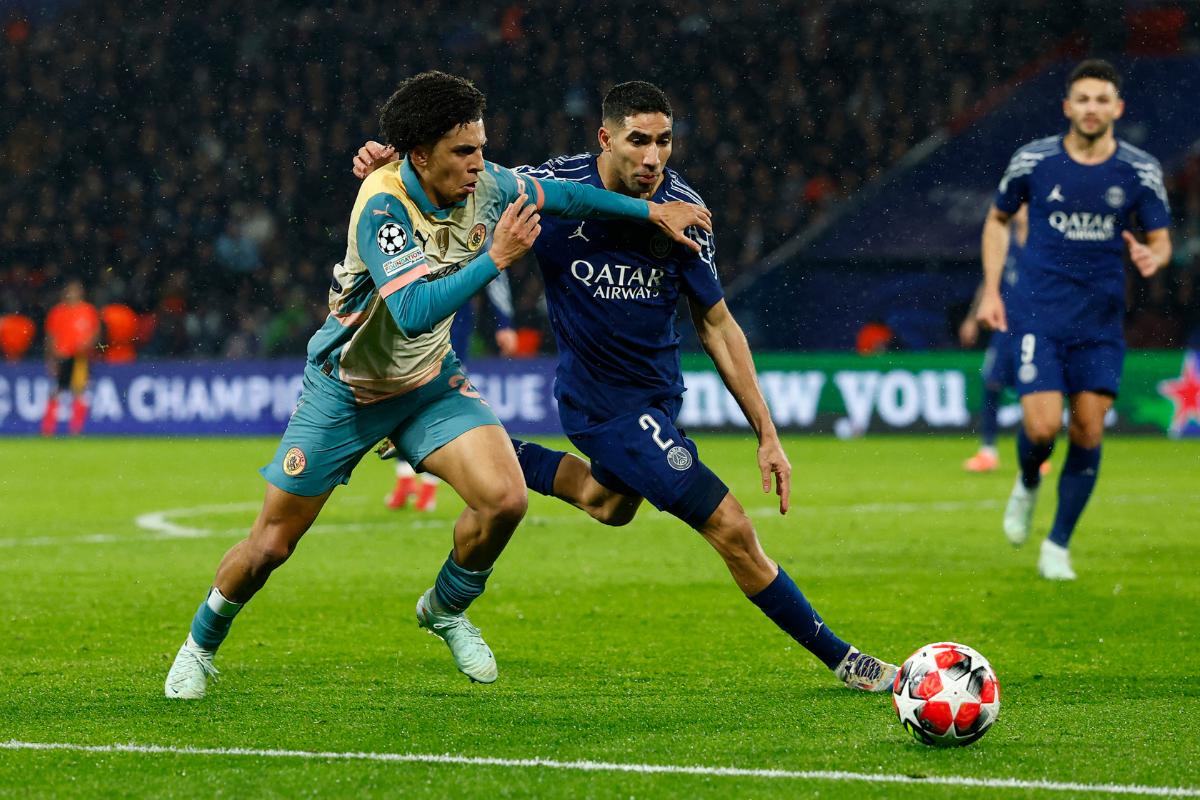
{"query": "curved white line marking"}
(160, 521)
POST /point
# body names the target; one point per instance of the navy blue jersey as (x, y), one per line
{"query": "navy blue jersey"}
(1071, 272)
(612, 289)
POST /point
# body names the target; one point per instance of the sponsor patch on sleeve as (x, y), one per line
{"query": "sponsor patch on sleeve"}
(402, 262)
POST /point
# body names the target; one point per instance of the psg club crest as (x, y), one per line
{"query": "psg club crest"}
(660, 246)
(1184, 394)
(679, 458)
(391, 239)
(294, 462)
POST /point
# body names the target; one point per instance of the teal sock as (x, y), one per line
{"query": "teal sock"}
(457, 587)
(211, 624)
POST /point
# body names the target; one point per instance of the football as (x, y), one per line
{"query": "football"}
(946, 695)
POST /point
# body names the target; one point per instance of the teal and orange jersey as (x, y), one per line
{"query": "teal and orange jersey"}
(410, 264)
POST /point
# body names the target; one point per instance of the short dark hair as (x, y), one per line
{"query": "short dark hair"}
(1096, 68)
(634, 97)
(428, 106)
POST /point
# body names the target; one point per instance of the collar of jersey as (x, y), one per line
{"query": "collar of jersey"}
(413, 186)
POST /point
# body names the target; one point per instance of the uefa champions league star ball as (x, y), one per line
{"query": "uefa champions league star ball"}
(946, 695)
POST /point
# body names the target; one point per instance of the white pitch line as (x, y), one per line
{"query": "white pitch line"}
(161, 525)
(604, 766)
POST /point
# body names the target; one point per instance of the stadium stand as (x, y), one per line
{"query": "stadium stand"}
(192, 161)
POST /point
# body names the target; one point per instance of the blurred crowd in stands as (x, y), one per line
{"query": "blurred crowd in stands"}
(192, 161)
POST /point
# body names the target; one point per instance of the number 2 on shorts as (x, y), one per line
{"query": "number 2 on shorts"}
(648, 424)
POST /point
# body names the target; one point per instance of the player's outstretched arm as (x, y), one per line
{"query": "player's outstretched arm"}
(725, 343)
(581, 201)
(576, 200)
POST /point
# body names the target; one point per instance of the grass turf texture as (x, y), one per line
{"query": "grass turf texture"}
(626, 645)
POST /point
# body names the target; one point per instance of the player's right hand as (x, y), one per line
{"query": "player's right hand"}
(990, 313)
(515, 232)
(371, 156)
(773, 461)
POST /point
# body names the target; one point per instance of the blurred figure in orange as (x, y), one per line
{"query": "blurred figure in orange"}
(16, 335)
(121, 331)
(72, 327)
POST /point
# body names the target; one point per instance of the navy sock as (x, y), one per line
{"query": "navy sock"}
(788, 608)
(457, 587)
(1075, 486)
(538, 464)
(1031, 457)
(988, 424)
(211, 624)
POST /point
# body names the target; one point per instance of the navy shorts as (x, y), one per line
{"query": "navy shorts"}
(643, 454)
(997, 369)
(1048, 363)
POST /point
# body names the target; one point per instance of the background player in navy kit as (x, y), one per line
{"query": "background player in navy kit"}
(998, 371)
(612, 292)
(1085, 191)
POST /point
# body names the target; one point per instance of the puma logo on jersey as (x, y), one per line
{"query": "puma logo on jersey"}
(578, 234)
(1056, 195)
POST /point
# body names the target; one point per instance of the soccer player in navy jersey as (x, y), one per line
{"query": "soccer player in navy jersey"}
(612, 292)
(998, 372)
(1086, 192)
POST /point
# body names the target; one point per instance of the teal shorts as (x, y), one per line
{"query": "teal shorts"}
(329, 432)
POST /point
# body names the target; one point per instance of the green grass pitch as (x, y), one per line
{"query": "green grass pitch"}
(630, 646)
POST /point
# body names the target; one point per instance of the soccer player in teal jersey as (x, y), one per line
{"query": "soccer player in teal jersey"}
(1086, 191)
(612, 290)
(425, 234)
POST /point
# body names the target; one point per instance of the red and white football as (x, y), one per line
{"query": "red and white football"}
(946, 695)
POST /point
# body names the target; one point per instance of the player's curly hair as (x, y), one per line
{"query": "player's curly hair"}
(1096, 68)
(634, 97)
(428, 106)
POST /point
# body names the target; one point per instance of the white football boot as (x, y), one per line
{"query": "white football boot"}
(188, 678)
(869, 674)
(1054, 562)
(471, 654)
(1018, 514)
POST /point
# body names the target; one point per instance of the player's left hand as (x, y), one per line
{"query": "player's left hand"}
(675, 217)
(371, 156)
(1142, 256)
(773, 461)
